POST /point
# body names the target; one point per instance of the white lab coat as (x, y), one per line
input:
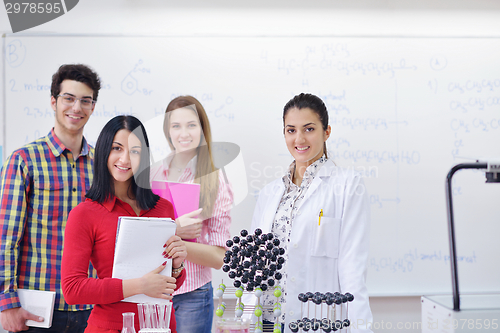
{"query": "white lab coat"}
(331, 256)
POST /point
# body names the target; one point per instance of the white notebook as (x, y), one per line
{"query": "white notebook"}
(138, 250)
(40, 303)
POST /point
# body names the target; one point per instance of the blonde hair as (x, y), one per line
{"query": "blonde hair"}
(206, 174)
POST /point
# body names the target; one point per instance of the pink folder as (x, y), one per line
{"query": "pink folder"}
(185, 197)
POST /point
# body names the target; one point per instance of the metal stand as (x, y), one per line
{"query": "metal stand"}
(451, 226)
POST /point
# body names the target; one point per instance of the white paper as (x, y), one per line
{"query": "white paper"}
(139, 248)
(39, 303)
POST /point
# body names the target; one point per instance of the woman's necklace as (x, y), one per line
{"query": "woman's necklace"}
(176, 168)
(182, 156)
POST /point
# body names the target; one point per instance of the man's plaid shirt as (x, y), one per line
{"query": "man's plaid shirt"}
(40, 183)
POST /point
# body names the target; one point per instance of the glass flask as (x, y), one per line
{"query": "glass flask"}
(128, 322)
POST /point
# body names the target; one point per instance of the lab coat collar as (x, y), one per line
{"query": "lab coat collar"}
(327, 170)
(322, 176)
(278, 189)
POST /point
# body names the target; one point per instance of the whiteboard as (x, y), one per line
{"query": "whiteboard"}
(402, 111)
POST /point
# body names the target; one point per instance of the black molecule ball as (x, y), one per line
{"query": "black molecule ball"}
(307, 324)
(326, 325)
(315, 324)
(294, 327)
(316, 299)
(302, 297)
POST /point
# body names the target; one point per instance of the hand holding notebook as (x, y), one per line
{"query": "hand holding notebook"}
(138, 250)
(39, 303)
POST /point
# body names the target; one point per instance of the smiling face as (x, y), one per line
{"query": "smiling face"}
(184, 130)
(70, 120)
(304, 135)
(125, 157)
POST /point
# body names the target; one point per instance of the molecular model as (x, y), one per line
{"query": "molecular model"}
(253, 262)
(328, 324)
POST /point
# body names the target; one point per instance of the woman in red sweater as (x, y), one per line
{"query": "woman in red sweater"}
(120, 188)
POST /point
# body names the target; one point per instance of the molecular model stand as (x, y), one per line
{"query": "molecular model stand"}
(335, 319)
(253, 263)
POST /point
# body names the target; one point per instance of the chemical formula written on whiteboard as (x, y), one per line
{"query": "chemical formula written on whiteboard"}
(131, 82)
(409, 157)
(477, 86)
(407, 262)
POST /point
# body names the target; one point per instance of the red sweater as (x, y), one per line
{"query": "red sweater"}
(90, 235)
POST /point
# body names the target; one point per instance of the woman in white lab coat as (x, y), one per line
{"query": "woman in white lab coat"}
(320, 213)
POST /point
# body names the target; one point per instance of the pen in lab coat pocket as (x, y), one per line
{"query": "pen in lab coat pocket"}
(319, 217)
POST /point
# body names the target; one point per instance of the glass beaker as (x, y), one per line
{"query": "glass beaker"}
(128, 322)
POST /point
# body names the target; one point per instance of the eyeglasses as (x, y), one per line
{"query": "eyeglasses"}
(85, 103)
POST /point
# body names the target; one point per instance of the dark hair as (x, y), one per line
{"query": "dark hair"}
(205, 174)
(312, 102)
(75, 72)
(102, 186)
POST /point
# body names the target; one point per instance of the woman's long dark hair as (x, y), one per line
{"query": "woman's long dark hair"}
(102, 188)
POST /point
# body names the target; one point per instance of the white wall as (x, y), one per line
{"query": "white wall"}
(449, 18)
(282, 17)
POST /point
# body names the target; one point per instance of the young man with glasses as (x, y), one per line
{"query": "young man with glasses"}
(40, 183)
